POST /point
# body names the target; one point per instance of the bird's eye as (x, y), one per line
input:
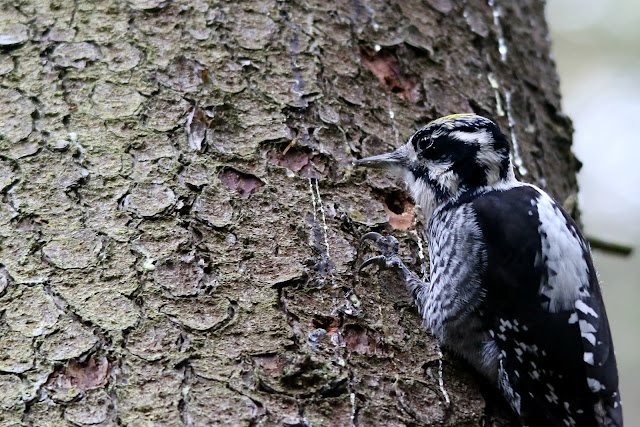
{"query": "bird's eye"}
(424, 143)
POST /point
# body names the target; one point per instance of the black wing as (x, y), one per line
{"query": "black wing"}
(545, 311)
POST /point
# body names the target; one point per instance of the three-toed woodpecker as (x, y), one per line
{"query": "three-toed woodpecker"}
(513, 289)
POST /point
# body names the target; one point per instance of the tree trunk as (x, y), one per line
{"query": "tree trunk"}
(180, 220)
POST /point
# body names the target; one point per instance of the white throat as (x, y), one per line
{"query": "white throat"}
(423, 195)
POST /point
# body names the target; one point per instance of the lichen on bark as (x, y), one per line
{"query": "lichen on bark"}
(179, 218)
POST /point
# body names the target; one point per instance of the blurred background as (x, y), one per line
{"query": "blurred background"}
(596, 45)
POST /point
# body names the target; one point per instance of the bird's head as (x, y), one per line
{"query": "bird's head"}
(448, 157)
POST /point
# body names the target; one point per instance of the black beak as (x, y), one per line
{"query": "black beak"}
(395, 159)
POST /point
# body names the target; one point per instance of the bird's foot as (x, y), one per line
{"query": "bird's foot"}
(388, 245)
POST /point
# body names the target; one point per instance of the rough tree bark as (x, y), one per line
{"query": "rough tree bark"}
(179, 219)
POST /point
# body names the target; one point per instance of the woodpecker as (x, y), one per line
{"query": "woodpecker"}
(513, 289)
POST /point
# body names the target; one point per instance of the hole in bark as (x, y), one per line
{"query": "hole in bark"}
(245, 184)
(328, 323)
(399, 206)
(85, 375)
(300, 160)
(397, 202)
(385, 66)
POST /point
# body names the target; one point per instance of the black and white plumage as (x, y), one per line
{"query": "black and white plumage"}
(513, 289)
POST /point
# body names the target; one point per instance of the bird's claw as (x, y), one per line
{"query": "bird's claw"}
(387, 245)
(380, 261)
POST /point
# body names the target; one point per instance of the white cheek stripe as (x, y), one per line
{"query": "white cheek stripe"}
(492, 161)
(479, 137)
